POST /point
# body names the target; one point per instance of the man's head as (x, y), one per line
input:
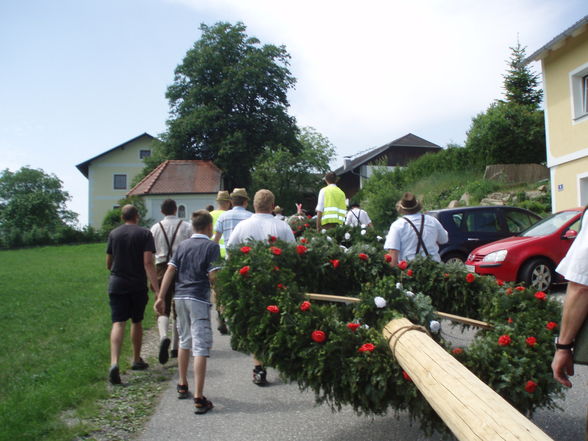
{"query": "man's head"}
(202, 222)
(354, 204)
(330, 178)
(169, 207)
(223, 200)
(263, 201)
(129, 214)
(239, 197)
(409, 204)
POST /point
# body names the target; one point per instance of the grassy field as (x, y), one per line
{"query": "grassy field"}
(54, 323)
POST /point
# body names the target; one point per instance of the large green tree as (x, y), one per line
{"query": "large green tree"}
(228, 102)
(292, 175)
(31, 198)
(521, 85)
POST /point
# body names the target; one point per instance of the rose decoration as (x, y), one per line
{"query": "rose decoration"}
(520, 288)
(509, 320)
(353, 326)
(245, 270)
(245, 250)
(446, 275)
(508, 291)
(335, 263)
(303, 240)
(409, 273)
(434, 326)
(388, 258)
(398, 285)
(504, 340)
(318, 336)
(530, 386)
(409, 293)
(540, 295)
(470, 277)
(406, 376)
(551, 326)
(531, 341)
(363, 256)
(457, 351)
(403, 264)
(273, 309)
(272, 239)
(363, 232)
(275, 251)
(305, 306)
(276, 268)
(280, 286)
(301, 249)
(500, 282)
(347, 236)
(380, 302)
(367, 347)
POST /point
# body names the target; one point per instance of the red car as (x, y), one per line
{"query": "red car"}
(532, 255)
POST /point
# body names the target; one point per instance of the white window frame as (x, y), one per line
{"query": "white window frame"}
(180, 208)
(579, 93)
(114, 187)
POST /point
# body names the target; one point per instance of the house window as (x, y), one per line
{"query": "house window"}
(182, 211)
(144, 154)
(120, 182)
(114, 207)
(579, 93)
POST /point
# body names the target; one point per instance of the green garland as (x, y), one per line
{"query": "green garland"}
(338, 351)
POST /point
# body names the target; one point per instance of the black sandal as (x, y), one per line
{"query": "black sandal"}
(183, 391)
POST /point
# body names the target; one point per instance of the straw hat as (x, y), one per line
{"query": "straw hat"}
(278, 209)
(223, 195)
(408, 204)
(239, 192)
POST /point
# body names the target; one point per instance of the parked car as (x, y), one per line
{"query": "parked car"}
(470, 227)
(531, 256)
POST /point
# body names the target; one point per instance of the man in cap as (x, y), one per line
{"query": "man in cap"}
(227, 221)
(168, 233)
(331, 207)
(414, 233)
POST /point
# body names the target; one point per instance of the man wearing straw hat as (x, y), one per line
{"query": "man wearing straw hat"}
(331, 207)
(414, 233)
(227, 221)
(223, 204)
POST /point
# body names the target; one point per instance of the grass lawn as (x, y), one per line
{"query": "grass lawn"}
(55, 324)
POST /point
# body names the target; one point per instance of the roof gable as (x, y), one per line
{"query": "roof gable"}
(408, 140)
(180, 176)
(573, 31)
(83, 166)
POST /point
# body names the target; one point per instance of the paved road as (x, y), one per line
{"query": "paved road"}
(280, 412)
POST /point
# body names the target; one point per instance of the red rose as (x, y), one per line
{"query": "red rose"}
(504, 340)
(540, 295)
(531, 341)
(299, 227)
(272, 239)
(276, 268)
(508, 291)
(245, 250)
(318, 336)
(457, 351)
(409, 273)
(335, 263)
(273, 309)
(388, 258)
(305, 306)
(402, 265)
(551, 326)
(406, 376)
(243, 271)
(303, 240)
(353, 326)
(276, 251)
(470, 277)
(367, 347)
(530, 386)
(301, 249)
(307, 225)
(500, 282)
(363, 256)
(520, 288)
(509, 320)
(446, 275)
(280, 286)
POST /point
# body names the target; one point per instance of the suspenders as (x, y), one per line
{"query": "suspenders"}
(419, 234)
(170, 245)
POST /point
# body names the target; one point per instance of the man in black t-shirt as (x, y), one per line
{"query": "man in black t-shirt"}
(129, 257)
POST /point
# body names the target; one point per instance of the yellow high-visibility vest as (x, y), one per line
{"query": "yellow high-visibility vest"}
(215, 215)
(335, 207)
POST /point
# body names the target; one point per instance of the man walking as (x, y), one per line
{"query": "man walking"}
(356, 217)
(223, 204)
(168, 233)
(331, 207)
(227, 221)
(259, 227)
(129, 257)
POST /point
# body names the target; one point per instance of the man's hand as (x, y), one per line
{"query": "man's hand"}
(159, 306)
(562, 366)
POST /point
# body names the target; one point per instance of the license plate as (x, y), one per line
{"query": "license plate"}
(471, 268)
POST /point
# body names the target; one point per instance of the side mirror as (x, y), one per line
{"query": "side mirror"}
(570, 234)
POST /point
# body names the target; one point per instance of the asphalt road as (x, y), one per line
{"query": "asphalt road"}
(280, 412)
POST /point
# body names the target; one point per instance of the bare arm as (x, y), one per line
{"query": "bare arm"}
(109, 262)
(168, 279)
(319, 216)
(575, 312)
(212, 277)
(217, 237)
(394, 255)
(150, 270)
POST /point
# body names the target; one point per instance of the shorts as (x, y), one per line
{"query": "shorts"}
(194, 326)
(128, 306)
(161, 268)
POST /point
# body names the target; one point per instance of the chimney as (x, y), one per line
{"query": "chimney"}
(346, 162)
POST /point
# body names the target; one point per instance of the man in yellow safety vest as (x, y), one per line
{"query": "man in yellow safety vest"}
(331, 207)
(223, 203)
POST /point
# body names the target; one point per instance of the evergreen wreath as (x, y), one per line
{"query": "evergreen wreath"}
(338, 351)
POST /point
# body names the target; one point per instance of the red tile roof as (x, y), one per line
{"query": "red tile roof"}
(180, 176)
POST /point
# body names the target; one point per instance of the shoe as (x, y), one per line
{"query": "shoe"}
(114, 375)
(259, 376)
(164, 350)
(173, 353)
(183, 391)
(139, 365)
(202, 405)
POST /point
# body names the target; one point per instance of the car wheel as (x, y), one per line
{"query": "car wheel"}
(538, 274)
(454, 258)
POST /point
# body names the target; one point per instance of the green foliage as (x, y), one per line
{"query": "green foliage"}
(229, 102)
(112, 218)
(278, 274)
(289, 175)
(521, 85)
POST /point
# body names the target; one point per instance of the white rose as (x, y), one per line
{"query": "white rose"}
(435, 326)
(409, 293)
(363, 232)
(363, 226)
(398, 285)
(379, 238)
(347, 236)
(380, 302)
(365, 326)
(323, 231)
(329, 238)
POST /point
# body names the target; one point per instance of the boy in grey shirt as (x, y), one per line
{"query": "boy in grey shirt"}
(194, 264)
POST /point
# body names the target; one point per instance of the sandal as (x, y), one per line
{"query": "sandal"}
(183, 391)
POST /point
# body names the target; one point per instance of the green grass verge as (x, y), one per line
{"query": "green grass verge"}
(55, 324)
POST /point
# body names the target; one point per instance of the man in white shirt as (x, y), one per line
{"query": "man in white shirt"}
(168, 234)
(259, 227)
(414, 233)
(356, 217)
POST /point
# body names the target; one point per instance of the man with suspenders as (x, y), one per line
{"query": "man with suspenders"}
(414, 233)
(168, 234)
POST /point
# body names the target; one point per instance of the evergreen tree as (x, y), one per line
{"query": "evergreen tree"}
(520, 83)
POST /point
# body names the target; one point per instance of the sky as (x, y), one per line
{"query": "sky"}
(78, 77)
